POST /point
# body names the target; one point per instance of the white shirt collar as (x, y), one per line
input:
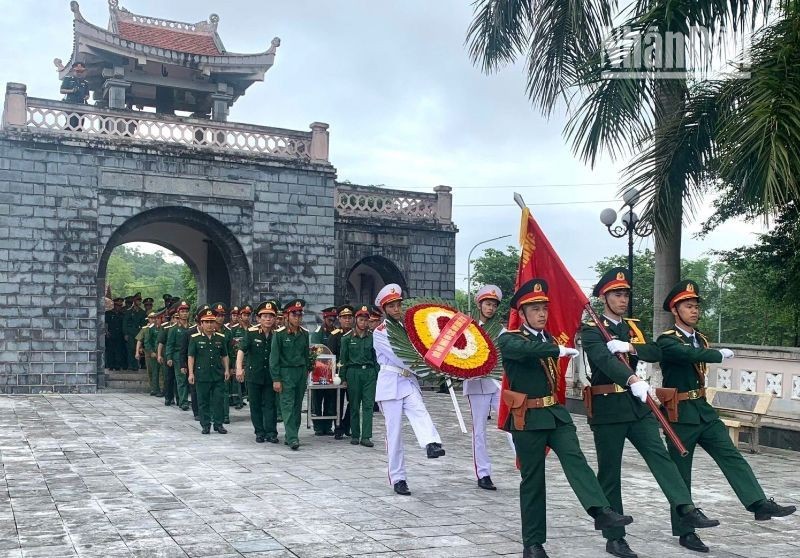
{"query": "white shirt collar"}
(612, 320)
(535, 332)
(686, 333)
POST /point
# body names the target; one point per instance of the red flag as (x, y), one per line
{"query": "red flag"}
(567, 300)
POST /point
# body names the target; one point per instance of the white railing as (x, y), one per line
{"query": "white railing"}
(361, 200)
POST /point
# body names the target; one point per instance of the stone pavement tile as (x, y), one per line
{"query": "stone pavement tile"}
(272, 554)
(208, 549)
(414, 543)
(49, 552)
(256, 545)
(362, 548)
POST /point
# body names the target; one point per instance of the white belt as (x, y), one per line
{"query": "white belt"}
(397, 370)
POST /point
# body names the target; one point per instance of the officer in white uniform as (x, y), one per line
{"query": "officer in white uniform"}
(483, 394)
(398, 392)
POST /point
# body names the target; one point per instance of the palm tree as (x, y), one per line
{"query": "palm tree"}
(564, 43)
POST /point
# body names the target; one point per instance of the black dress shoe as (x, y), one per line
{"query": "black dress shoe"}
(692, 542)
(608, 518)
(226, 421)
(219, 428)
(534, 551)
(272, 439)
(338, 435)
(167, 403)
(769, 509)
(619, 547)
(434, 450)
(184, 407)
(697, 519)
(354, 441)
(260, 439)
(486, 483)
(401, 487)
(367, 443)
(206, 430)
(294, 445)
(319, 433)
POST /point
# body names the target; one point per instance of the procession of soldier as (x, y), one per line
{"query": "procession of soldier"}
(262, 357)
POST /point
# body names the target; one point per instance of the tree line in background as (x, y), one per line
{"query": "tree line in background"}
(130, 270)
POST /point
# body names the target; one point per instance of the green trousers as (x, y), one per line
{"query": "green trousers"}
(153, 374)
(530, 446)
(713, 437)
(263, 412)
(182, 388)
(234, 391)
(361, 393)
(293, 389)
(323, 403)
(609, 439)
(209, 402)
(130, 352)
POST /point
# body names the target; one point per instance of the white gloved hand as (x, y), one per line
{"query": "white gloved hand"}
(640, 389)
(567, 352)
(618, 346)
(726, 353)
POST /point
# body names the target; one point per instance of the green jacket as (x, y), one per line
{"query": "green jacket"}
(228, 333)
(256, 347)
(532, 368)
(606, 369)
(208, 353)
(682, 365)
(133, 320)
(172, 348)
(114, 323)
(321, 335)
(356, 353)
(161, 339)
(288, 351)
(150, 340)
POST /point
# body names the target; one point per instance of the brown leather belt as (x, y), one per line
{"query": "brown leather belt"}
(605, 389)
(694, 394)
(541, 402)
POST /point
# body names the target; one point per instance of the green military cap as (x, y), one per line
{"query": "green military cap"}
(614, 279)
(183, 305)
(207, 315)
(294, 304)
(166, 297)
(531, 291)
(200, 310)
(329, 312)
(345, 310)
(363, 310)
(173, 308)
(148, 300)
(267, 307)
(684, 290)
(219, 308)
(245, 309)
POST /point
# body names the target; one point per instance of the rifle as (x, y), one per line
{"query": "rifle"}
(650, 402)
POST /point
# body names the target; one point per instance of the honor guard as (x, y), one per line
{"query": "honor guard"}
(685, 354)
(345, 316)
(252, 367)
(398, 393)
(537, 421)
(173, 355)
(617, 411)
(359, 368)
(289, 363)
(208, 370)
(483, 394)
(324, 400)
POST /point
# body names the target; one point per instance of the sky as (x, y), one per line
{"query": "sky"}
(406, 108)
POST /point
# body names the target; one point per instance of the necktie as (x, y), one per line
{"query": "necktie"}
(695, 344)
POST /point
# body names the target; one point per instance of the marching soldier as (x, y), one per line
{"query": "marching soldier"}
(359, 368)
(238, 329)
(224, 330)
(289, 362)
(345, 315)
(133, 321)
(252, 366)
(115, 336)
(149, 347)
(483, 394)
(170, 386)
(398, 393)
(234, 318)
(184, 359)
(617, 410)
(537, 420)
(173, 355)
(209, 369)
(685, 354)
(324, 400)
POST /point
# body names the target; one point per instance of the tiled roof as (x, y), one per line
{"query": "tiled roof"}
(171, 39)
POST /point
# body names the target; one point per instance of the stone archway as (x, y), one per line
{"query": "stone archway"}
(367, 276)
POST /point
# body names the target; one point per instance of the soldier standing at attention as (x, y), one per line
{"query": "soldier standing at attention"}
(224, 330)
(289, 362)
(483, 394)
(324, 400)
(173, 355)
(170, 386)
(133, 321)
(345, 315)
(115, 336)
(252, 366)
(359, 368)
(209, 369)
(619, 412)
(537, 420)
(685, 354)
(398, 393)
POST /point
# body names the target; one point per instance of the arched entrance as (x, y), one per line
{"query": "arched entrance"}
(369, 275)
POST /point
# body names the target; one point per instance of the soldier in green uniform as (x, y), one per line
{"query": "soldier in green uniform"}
(224, 330)
(252, 366)
(324, 400)
(184, 359)
(173, 355)
(115, 336)
(359, 368)
(289, 362)
(616, 402)
(209, 369)
(375, 317)
(334, 343)
(161, 354)
(150, 345)
(685, 354)
(240, 322)
(133, 321)
(537, 420)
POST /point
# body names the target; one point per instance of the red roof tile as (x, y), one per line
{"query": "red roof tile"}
(168, 39)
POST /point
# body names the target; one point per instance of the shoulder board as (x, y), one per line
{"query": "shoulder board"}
(218, 333)
(700, 333)
(631, 319)
(169, 326)
(335, 331)
(669, 332)
(254, 328)
(511, 331)
(589, 323)
(196, 334)
(226, 326)
(280, 329)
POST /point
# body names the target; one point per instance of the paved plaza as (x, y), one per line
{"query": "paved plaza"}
(120, 474)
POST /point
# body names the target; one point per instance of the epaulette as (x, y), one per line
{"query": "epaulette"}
(226, 325)
(196, 334)
(280, 329)
(304, 329)
(589, 323)
(254, 328)
(632, 319)
(335, 331)
(511, 331)
(668, 332)
(348, 333)
(218, 333)
(169, 326)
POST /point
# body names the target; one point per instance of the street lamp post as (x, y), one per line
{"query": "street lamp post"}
(629, 225)
(469, 263)
(720, 285)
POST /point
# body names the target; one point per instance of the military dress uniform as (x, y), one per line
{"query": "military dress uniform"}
(238, 331)
(685, 355)
(334, 343)
(132, 322)
(223, 329)
(398, 393)
(173, 354)
(617, 415)
(359, 368)
(255, 345)
(289, 362)
(208, 363)
(168, 371)
(324, 400)
(115, 337)
(150, 345)
(538, 421)
(184, 359)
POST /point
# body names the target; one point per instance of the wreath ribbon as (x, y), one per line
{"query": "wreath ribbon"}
(454, 328)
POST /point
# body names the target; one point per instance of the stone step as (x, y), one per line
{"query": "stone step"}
(126, 376)
(128, 385)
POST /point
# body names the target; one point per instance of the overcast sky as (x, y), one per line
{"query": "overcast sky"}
(406, 109)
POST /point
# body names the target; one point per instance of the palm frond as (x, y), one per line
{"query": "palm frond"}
(499, 32)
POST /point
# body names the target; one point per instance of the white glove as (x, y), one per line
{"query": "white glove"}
(726, 353)
(567, 352)
(618, 346)
(640, 389)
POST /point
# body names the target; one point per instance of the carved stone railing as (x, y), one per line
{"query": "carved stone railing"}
(364, 201)
(87, 121)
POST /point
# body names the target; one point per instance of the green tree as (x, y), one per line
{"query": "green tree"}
(496, 267)
(129, 270)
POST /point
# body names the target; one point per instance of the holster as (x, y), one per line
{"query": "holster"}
(669, 401)
(587, 401)
(518, 404)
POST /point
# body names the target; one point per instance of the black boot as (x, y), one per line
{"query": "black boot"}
(220, 429)
(401, 487)
(607, 518)
(692, 542)
(534, 551)
(619, 547)
(434, 450)
(697, 519)
(486, 483)
(767, 509)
